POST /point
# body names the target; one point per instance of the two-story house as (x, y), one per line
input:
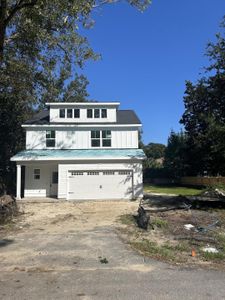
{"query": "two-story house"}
(81, 151)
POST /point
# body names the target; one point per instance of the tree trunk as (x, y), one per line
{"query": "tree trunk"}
(2, 27)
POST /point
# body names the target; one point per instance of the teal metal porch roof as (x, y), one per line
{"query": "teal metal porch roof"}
(79, 154)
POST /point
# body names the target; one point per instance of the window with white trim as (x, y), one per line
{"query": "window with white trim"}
(37, 174)
(97, 113)
(62, 113)
(106, 138)
(69, 113)
(104, 113)
(89, 113)
(50, 138)
(95, 138)
(76, 113)
(101, 138)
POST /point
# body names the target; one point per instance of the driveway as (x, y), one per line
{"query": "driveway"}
(56, 250)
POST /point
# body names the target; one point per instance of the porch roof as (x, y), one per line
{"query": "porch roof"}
(78, 154)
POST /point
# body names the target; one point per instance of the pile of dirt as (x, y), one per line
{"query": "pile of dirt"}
(8, 208)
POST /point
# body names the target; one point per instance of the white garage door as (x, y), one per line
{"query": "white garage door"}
(108, 184)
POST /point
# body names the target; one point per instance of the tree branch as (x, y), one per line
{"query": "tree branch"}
(18, 7)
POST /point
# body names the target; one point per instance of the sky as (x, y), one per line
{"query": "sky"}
(147, 57)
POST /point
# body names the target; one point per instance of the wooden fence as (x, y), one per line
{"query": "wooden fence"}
(202, 180)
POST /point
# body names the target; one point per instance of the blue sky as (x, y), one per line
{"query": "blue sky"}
(146, 58)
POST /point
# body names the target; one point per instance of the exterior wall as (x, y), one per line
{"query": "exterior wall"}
(136, 167)
(66, 138)
(35, 139)
(38, 187)
(111, 115)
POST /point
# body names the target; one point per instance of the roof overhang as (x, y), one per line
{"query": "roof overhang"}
(79, 125)
(79, 155)
(58, 104)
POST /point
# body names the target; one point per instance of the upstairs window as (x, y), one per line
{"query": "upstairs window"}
(95, 138)
(76, 113)
(50, 138)
(62, 113)
(106, 138)
(96, 113)
(104, 113)
(101, 138)
(89, 113)
(69, 113)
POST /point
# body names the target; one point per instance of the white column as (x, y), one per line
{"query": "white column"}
(18, 182)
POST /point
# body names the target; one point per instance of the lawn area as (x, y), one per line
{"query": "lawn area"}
(176, 190)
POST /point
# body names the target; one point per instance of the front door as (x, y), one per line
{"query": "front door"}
(54, 183)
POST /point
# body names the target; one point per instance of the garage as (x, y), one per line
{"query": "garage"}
(100, 184)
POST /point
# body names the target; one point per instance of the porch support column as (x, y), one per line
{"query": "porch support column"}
(18, 182)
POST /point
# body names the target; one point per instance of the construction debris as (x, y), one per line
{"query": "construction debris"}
(8, 208)
(210, 250)
(142, 218)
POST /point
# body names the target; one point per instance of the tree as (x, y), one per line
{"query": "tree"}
(154, 150)
(41, 54)
(175, 155)
(204, 115)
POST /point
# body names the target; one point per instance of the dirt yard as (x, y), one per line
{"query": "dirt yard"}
(54, 219)
(71, 250)
(179, 236)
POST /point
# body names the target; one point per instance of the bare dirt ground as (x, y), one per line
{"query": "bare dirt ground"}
(71, 250)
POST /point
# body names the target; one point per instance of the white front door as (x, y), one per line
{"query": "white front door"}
(104, 184)
(54, 183)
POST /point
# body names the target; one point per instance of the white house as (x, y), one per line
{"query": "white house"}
(81, 151)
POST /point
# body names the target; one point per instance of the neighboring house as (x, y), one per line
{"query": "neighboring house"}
(81, 151)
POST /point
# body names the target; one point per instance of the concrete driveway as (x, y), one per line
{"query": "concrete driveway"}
(55, 254)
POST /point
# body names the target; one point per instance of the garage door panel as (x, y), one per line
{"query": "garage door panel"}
(100, 185)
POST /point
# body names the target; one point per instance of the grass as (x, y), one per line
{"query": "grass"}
(160, 244)
(176, 190)
(160, 223)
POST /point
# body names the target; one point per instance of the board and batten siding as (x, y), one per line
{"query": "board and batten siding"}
(122, 138)
(64, 169)
(54, 115)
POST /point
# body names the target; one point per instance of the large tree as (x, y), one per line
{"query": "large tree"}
(204, 115)
(41, 54)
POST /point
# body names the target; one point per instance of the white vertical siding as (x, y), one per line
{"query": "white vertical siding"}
(80, 138)
(54, 115)
(35, 139)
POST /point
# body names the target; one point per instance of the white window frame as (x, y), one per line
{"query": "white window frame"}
(37, 174)
(104, 135)
(74, 114)
(50, 138)
(61, 110)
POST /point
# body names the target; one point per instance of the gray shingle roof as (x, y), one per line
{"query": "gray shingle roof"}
(123, 117)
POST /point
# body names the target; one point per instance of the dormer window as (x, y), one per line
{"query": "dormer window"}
(76, 113)
(96, 113)
(104, 113)
(69, 113)
(89, 113)
(62, 113)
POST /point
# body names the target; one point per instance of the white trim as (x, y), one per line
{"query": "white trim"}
(75, 159)
(18, 182)
(82, 104)
(110, 125)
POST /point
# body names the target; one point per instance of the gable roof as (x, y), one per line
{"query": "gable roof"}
(123, 117)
